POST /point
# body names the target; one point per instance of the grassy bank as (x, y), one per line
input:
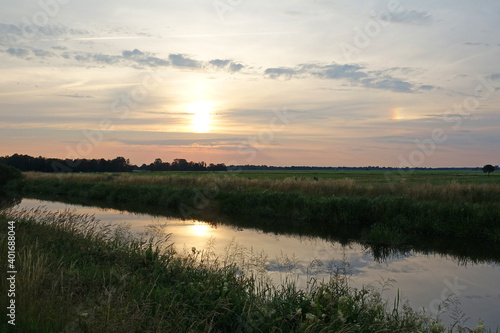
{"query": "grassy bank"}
(77, 275)
(378, 214)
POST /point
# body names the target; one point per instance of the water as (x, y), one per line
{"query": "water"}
(424, 279)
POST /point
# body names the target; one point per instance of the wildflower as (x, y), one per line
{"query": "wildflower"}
(310, 316)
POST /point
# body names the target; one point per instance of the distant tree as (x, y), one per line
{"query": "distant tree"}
(120, 164)
(8, 173)
(180, 164)
(488, 168)
(218, 167)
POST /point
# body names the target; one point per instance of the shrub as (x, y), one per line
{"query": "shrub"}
(8, 173)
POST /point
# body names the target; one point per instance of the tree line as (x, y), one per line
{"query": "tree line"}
(118, 164)
(180, 164)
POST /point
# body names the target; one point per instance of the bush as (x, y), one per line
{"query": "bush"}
(8, 173)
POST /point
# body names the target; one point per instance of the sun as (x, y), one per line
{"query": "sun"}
(201, 113)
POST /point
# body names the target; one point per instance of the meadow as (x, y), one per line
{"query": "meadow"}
(79, 275)
(421, 185)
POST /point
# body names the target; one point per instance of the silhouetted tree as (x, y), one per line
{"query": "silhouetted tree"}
(217, 167)
(488, 168)
(119, 164)
(180, 164)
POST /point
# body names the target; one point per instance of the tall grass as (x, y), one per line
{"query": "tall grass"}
(445, 191)
(77, 275)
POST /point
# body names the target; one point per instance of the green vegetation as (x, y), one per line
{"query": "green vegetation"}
(377, 213)
(77, 275)
(9, 177)
(7, 174)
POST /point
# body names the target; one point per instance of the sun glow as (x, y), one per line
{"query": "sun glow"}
(200, 228)
(396, 114)
(201, 113)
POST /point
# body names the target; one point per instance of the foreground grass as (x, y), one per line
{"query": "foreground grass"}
(75, 275)
(380, 214)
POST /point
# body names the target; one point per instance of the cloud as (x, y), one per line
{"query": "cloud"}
(144, 58)
(153, 62)
(353, 73)
(54, 30)
(494, 76)
(26, 53)
(476, 44)
(219, 63)
(97, 57)
(14, 32)
(132, 54)
(281, 72)
(409, 17)
(180, 60)
(233, 67)
(228, 65)
(220, 143)
(104, 58)
(132, 57)
(390, 84)
(9, 29)
(333, 71)
(76, 96)
(339, 71)
(135, 56)
(20, 53)
(42, 53)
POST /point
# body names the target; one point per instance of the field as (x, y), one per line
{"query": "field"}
(363, 176)
(423, 185)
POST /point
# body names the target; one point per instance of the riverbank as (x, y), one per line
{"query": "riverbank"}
(81, 275)
(378, 214)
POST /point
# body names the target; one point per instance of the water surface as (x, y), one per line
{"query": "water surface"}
(424, 279)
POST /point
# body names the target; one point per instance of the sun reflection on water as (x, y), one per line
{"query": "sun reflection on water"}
(200, 229)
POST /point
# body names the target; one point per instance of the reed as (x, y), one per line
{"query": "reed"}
(428, 189)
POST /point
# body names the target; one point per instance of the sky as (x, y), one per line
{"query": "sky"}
(321, 82)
